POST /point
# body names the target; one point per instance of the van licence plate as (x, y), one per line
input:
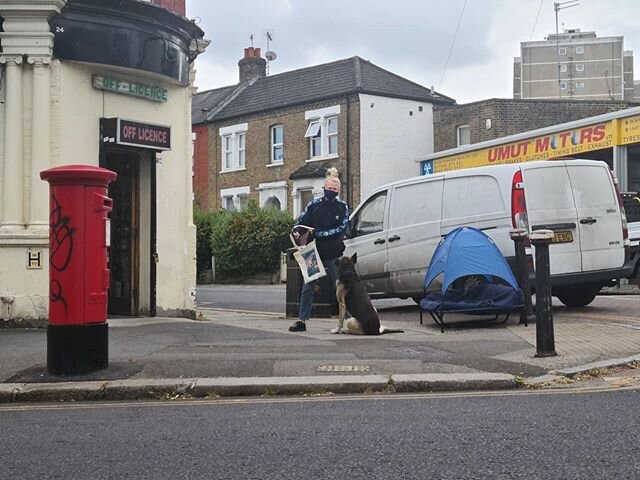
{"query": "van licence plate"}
(562, 237)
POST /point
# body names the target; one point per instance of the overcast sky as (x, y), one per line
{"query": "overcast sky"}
(413, 39)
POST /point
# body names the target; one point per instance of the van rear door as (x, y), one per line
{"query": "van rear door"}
(599, 219)
(550, 205)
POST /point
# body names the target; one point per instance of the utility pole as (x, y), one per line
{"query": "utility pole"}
(557, 6)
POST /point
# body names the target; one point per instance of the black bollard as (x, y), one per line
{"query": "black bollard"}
(545, 341)
(294, 285)
(519, 235)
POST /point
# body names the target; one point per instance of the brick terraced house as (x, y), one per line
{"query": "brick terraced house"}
(271, 138)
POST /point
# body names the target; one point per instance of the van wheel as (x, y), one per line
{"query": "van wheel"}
(577, 296)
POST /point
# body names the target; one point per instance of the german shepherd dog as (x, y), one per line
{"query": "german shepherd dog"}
(353, 297)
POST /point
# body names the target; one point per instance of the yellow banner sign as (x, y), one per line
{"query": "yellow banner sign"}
(566, 143)
(629, 130)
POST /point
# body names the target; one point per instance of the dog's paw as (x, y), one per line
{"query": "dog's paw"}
(335, 330)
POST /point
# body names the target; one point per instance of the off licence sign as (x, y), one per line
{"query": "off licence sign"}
(137, 134)
(150, 92)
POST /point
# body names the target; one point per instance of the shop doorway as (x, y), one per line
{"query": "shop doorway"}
(124, 253)
(133, 239)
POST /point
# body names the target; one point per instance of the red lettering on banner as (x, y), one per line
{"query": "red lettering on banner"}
(592, 134)
(586, 135)
(542, 144)
(598, 133)
(564, 136)
(524, 146)
(508, 152)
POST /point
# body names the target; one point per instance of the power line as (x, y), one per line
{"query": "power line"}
(536, 22)
(453, 42)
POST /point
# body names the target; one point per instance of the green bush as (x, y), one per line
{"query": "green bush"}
(243, 243)
(204, 222)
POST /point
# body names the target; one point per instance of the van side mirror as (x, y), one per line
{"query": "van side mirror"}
(349, 231)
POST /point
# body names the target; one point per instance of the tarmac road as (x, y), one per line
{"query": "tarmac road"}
(546, 435)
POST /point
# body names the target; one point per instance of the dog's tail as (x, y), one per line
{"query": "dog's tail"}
(384, 330)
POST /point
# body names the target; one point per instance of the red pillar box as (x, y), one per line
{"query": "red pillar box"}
(77, 333)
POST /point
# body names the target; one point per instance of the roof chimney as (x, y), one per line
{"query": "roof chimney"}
(252, 66)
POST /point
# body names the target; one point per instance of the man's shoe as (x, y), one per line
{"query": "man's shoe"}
(298, 327)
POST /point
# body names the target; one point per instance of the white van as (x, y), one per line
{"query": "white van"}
(396, 229)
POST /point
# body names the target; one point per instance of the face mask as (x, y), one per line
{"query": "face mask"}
(330, 195)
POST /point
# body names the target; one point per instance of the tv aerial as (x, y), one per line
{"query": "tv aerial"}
(270, 55)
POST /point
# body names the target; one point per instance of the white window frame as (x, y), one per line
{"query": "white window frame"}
(579, 67)
(234, 194)
(562, 50)
(332, 135)
(275, 145)
(273, 190)
(318, 135)
(233, 141)
(227, 152)
(314, 134)
(580, 49)
(459, 129)
(563, 85)
(563, 67)
(579, 84)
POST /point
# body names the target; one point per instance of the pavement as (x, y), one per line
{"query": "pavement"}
(236, 353)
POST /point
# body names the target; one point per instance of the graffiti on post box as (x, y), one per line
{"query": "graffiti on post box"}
(60, 246)
(55, 292)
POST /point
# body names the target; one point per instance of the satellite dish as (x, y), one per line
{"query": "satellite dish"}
(270, 55)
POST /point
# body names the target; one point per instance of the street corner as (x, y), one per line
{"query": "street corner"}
(609, 374)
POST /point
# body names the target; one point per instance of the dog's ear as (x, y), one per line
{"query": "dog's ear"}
(354, 257)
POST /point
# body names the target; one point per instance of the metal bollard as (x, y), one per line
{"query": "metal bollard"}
(519, 235)
(545, 341)
(293, 286)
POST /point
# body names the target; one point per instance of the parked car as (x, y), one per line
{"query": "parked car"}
(396, 229)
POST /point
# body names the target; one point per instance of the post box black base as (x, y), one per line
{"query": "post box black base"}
(77, 349)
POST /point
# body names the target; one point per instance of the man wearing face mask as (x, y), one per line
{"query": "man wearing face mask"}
(329, 217)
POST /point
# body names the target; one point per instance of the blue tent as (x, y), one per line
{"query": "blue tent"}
(468, 251)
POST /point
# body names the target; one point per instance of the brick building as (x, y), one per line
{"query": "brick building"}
(272, 138)
(457, 125)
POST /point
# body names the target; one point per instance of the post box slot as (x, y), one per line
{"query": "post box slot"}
(102, 203)
(97, 298)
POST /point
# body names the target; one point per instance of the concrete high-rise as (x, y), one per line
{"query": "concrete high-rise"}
(574, 65)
